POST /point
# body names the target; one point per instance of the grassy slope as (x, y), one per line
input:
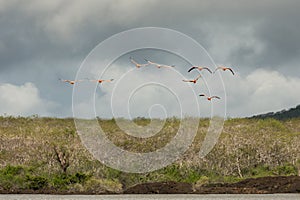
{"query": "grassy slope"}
(46, 153)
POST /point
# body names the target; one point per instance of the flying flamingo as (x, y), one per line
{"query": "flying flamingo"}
(72, 82)
(158, 65)
(193, 81)
(138, 65)
(224, 69)
(208, 97)
(102, 80)
(200, 68)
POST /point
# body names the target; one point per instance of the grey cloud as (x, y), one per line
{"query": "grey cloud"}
(71, 28)
(41, 41)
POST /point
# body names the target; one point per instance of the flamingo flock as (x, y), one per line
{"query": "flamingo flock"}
(72, 82)
(157, 65)
(200, 68)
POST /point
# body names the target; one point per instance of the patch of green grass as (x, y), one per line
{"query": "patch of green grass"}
(257, 171)
(180, 173)
(286, 170)
(276, 125)
(265, 170)
(102, 185)
(19, 177)
(36, 182)
(63, 181)
(12, 177)
(12, 170)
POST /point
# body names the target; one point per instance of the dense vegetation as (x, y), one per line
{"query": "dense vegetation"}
(281, 115)
(46, 153)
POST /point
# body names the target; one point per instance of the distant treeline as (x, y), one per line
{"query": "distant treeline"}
(281, 115)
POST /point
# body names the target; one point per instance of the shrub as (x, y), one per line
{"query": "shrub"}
(12, 177)
(12, 170)
(257, 171)
(102, 185)
(79, 178)
(203, 180)
(36, 182)
(286, 170)
(62, 181)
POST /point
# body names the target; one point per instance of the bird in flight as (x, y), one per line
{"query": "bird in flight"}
(101, 80)
(138, 65)
(158, 65)
(193, 81)
(200, 68)
(72, 82)
(224, 69)
(208, 97)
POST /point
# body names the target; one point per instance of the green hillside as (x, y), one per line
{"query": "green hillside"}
(47, 154)
(281, 115)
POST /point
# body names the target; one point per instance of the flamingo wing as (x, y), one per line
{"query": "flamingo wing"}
(149, 62)
(108, 80)
(217, 69)
(192, 68)
(207, 69)
(215, 97)
(64, 80)
(231, 70)
(133, 61)
(198, 77)
(157, 64)
(67, 81)
(168, 66)
(104, 80)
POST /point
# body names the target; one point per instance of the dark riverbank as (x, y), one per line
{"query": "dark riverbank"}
(263, 185)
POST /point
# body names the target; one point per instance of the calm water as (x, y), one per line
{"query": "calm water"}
(153, 197)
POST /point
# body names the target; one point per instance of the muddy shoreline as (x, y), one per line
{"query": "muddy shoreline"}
(264, 185)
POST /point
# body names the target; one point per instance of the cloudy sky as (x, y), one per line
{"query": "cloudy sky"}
(42, 41)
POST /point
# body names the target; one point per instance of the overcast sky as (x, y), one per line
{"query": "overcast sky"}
(42, 41)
